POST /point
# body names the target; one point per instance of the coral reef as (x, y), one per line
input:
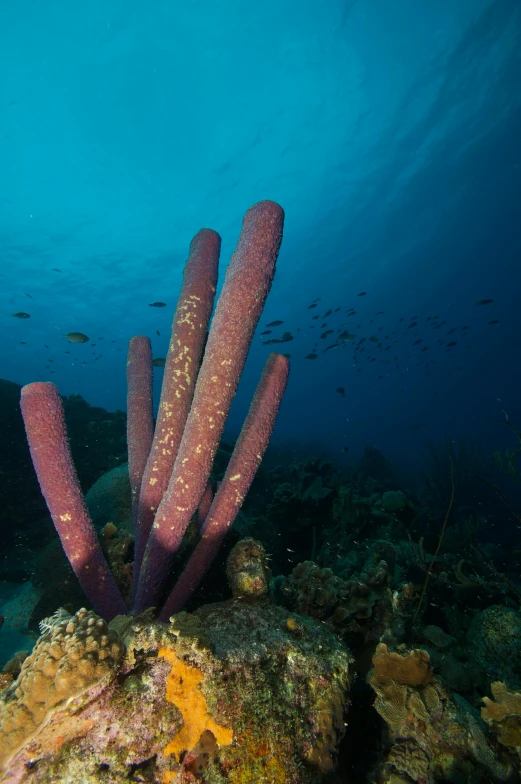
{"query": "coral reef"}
(430, 737)
(318, 592)
(230, 692)
(244, 690)
(503, 713)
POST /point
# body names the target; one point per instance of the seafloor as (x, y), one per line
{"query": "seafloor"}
(343, 634)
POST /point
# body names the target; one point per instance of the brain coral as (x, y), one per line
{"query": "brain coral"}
(73, 654)
(493, 637)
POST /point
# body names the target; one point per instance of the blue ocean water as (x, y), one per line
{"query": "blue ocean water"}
(390, 133)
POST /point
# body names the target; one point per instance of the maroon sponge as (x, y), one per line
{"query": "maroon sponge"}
(247, 283)
(140, 425)
(44, 420)
(246, 457)
(205, 504)
(189, 331)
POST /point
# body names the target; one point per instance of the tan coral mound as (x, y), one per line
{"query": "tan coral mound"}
(73, 654)
(503, 713)
(411, 670)
(430, 734)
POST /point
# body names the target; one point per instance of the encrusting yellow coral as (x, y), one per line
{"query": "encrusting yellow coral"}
(182, 690)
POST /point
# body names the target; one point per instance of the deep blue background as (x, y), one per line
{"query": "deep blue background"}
(389, 131)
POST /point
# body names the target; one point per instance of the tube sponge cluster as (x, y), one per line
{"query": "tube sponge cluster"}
(170, 466)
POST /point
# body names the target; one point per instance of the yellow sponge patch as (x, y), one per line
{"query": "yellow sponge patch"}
(182, 690)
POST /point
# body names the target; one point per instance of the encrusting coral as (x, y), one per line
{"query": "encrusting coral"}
(74, 654)
(231, 693)
(503, 714)
(431, 737)
(411, 670)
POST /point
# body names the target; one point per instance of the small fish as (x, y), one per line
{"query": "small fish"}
(28, 295)
(288, 356)
(275, 323)
(494, 322)
(287, 336)
(313, 305)
(313, 318)
(412, 324)
(341, 391)
(267, 332)
(55, 269)
(23, 343)
(331, 347)
(157, 333)
(326, 333)
(484, 301)
(345, 449)
(76, 337)
(453, 343)
(346, 335)
(311, 356)
(272, 340)
(362, 294)
(159, 362)
(157, 304)
(329, 312)
(417, 342)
